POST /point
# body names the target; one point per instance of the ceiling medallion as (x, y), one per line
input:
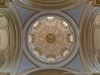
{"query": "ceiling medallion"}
(50, 39)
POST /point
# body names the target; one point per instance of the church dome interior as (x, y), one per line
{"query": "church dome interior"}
(49, 37)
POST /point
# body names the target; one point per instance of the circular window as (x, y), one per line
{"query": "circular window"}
(50, 40)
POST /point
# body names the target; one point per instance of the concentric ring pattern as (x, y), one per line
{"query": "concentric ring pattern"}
(51, 39)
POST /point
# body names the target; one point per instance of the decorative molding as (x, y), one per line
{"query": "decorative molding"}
(54, 40)
(15, 40)
(87, 50)
(61, 71)
(49, 4)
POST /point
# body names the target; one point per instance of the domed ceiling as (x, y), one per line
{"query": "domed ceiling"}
(49, 4)
(51, 39)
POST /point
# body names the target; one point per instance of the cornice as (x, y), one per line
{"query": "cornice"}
(49, 5)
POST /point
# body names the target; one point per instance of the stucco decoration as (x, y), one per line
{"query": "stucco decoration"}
(4, 39)
(50, 39)
(12, 31)
(4, 33)
(96, 37)
(49, 4)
